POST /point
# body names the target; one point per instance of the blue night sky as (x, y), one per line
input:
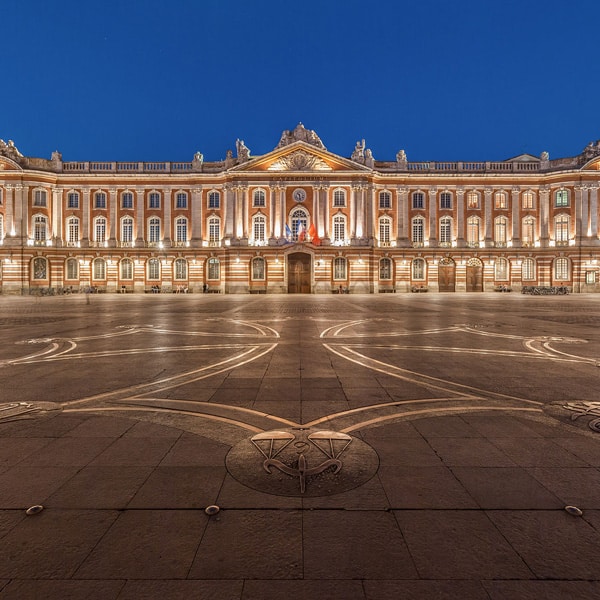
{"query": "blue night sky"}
(155, 80)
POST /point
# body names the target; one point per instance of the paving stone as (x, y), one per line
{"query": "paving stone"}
(134, 452)
(303, 590)
(10, 519)
(554, 544)
(194, 450)
(14, 450)
(405, 452)
(235, 495)
(146, 544)
(102, 427)
(583, 447)
(458, 545)
(536, 452)
(371, 546)
(62, 590)
(445, 427)
(575, 486)
(68, 452)
(548, 590)
(469, 452)
(500, 425)
(145, 429)
(251, 544)
(421, 590)
(53, 543)
(182, 590)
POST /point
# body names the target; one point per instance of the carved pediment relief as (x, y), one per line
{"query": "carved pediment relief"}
(8, 165)
(299, 161)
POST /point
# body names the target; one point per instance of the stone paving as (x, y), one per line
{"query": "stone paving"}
(358, 447)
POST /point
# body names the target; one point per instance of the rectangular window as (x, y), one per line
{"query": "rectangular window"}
(154, 200)
(500, 200)
(39, 198)
(339, 268)
(73, 200)
(214, 200)
(127, 200)
(472, 200)
(181, 200)
(527, 201)
(561, 198)
(445, 200)
(385, 200)
(418, 200)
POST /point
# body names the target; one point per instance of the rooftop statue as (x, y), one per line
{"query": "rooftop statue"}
(243, 152)
(300, 134)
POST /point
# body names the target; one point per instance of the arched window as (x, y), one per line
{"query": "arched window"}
(213, 268)
(1, 227)
(100, 200)
(418, 268)
(561, 198)
(527, 200)
(40, 198)
(528, 269)
(153, 200)
(127, 200)
(72, 269)
(72, 200)
(445, 200)
(259, 198)
(472, 200)
(385, 268)
(418, 231)
(473, 228)
(446, 231)
(561, 229)
(528, 231)
(153, 269)
(500, 227)
(180, 268)
(127, 230)
(418, 200)
(126, 268)
(99, 269)
(299, 222)
(258, 268)
(340, 268)
(500, 200)
(339, 229)
(561, 269)
(259, 227)
(99, 230)
(385, 228)
(181, 200)
(501, 269)
(339, 198)
(40, 228)
(181, 230)
(40, 268)
(154, 230)
(72, 231)
(214, 230)
(385, 200)
(214, 199)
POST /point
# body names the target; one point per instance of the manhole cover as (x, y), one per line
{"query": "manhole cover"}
(302, 462)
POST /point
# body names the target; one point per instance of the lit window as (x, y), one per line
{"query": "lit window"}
(528, 269)
(500, 200)
(180, 268)
(385, 268)
(181, 200)
(154, 269)
(527, 200)
(339, 229)
(561, 198)
(339, 198)
(561, 269)
(472, 200)
(259, 224)
(418, 268)
(126, 268)
(339, 268)
(418, 228)
(445, 230)
(154, 230)
(181, 230)
(561, 229)
(528, 231)
(99, 269)
(127, 230)
(72, 230)
(40, 268)
(40, 228)
(100, 230)
(72, 269)
(299, 221)
(213, 269)
(258, 268)
(214, 200)
(385, 227)
(500, 227)
(214, 230)
(501, 269)
(473, 226)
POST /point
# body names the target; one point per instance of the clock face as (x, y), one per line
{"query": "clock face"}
(299, 195)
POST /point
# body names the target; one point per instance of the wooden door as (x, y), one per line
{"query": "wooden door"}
(299, 270)
(447, 276)
(474, 278)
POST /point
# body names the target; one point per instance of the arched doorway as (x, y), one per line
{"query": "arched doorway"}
(299, 271)
(474, 275)
(446, 275)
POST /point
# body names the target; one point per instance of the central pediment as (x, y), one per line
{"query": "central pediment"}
(300, 156)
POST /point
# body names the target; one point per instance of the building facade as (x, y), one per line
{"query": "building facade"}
(299, 219)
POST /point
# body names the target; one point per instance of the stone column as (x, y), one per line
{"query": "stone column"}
(460, 217)
(197, 215)
(433, 237)
(515, 206)
(9, 211)
(402, 216)
(21, 211)
(245, 212)
(282, 211)
(315, 207)
(360, 211)
(167, 214)
(353, 204)
(57, 212)
(140, 225)
(324, 212)
(487, 216)
(274, 216)
(544, 215)
(85, 217)
(594, 210)
(585, 211)
(371, 205)
(112, 218)
(228, 211)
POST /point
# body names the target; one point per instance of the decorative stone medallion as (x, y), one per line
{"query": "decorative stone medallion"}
(302, 462)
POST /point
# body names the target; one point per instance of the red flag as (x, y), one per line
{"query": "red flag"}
(312, 231)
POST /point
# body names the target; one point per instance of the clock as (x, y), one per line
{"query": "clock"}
(299, 195)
